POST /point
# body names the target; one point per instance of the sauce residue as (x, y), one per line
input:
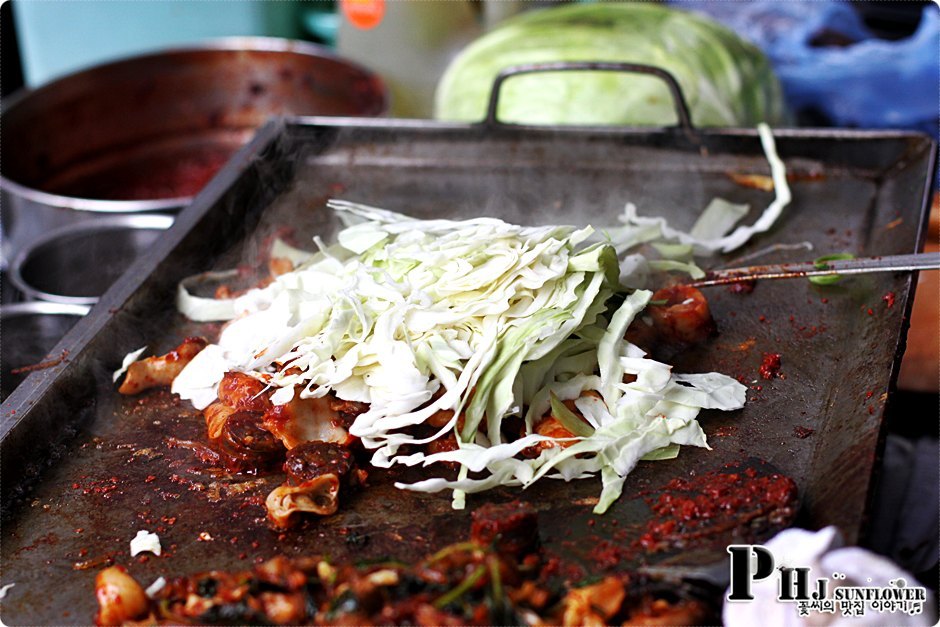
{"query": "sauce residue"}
(715, 503)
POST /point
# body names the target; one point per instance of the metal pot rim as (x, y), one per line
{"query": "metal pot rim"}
(41, 308)
(155, 222)
(91, 204)
(222, 44)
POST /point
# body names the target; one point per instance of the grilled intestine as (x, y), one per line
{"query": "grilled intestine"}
(160, 371)
(315, 473)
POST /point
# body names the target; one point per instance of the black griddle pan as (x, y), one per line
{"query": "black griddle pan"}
(83, 468)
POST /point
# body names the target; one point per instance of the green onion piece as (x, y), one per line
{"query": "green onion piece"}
(570, 420)
(496, 582)
(460, 589)
(453, 548)
(659, 302)
(821, 263)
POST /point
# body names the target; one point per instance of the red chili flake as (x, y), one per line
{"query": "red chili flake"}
(79, 530)
(869, 394)
(590, 522)
(150, 479)
(825, 301)
(870, 312)
(889, 299)
(871, 410)
(770, 366)
(803, 432)
(762, 318)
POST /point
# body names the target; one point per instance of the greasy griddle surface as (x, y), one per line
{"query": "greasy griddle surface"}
(818, 422)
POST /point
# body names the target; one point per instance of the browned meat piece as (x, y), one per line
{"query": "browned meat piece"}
(120, 597)
(241, 391)
(245, 445)
(511, 528)
(244, 434)
(314, 459)
(685, 317)
(443, 444)
(347, 411)
(159, 371)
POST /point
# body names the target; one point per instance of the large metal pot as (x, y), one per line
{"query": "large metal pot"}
(147, 132)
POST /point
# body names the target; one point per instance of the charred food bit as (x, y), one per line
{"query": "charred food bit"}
(315, 472)
(160, 371)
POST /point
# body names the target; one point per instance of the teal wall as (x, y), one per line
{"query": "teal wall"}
(58, 37)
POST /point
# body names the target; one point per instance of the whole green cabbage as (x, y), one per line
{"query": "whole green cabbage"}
(726, 81)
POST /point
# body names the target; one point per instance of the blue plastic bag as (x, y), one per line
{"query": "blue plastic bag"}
(871, 83)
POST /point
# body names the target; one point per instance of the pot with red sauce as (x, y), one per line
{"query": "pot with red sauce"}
(146, 133)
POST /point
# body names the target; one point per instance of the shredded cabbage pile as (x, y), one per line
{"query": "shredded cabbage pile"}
(480, 317)
(488, 320)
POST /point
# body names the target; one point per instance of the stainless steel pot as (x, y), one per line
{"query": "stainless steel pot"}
(76, 264)
(28, 331)
(146, 133)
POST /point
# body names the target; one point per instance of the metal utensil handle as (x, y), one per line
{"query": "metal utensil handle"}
(888, 263)
(682, 109)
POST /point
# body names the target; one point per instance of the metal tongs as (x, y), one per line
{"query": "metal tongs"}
(864, 265)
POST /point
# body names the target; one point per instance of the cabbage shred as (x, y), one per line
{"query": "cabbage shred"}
(480, 317)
